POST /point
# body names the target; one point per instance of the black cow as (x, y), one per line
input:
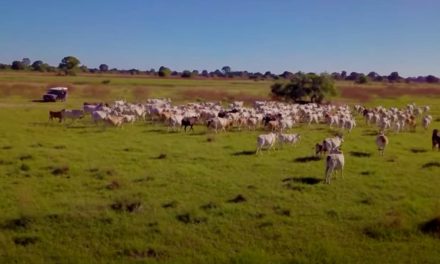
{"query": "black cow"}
(271, 117)
(189, 122)
(435, 139)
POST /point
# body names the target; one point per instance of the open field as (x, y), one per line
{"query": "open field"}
(84, 194)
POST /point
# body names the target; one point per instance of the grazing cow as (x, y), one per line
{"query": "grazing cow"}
(72, 114)
(267, 140)
(335, 161)
(56, 114)
(189, 122)
(435, 139)
(381, 142)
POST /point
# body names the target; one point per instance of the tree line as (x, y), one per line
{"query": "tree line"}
(70, 65)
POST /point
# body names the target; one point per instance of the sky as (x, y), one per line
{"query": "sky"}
(271, 35)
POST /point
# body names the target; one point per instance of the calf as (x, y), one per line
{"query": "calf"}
(335, 161)
(56, 114)
(267, 140)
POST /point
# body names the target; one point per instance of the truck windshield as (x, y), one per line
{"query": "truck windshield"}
(54, 92)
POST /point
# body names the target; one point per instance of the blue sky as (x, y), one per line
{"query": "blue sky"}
(276, 35)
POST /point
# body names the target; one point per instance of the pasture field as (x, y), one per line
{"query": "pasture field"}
(81, 193)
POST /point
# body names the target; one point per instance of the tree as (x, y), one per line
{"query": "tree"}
(287, 75)
(431, 79)
(18, 65)
(103, 67)
(302, 87)
(394, 77)
(186, 74)
(226, 70)
(26, 62)
(40, 66)
(205, 73)
(343, 75)
(354, 76)
(362, 79)
(372, 75)
(164, 71)
(69, 64)
(84, 68)
(336, 76)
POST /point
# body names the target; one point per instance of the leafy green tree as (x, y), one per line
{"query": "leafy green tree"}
(69, 64)
(305, 87)
(40, 66)
(164, 71)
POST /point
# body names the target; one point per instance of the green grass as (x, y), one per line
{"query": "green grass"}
(70, 194)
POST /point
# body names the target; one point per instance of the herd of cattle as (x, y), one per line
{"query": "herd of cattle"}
(275, 117)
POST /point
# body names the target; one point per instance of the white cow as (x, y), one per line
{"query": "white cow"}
(218, 123)
(426, 121)
(266, 141)
(288, 138)
(335, 161)
(332, 143)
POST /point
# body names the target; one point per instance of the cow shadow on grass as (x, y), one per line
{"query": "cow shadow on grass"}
(418, 150)
(244, 153)
(155, 130)
(307, 159)
(46, 124)
(360, 154)
(195, 133)
(369, 133)
(73, 126)
(303, 180)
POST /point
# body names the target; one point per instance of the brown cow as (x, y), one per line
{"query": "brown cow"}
(56, 114)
